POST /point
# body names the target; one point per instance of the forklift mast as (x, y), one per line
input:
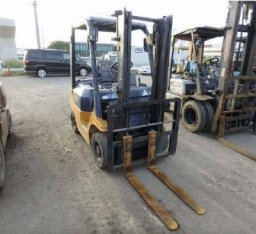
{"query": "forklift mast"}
(157, 45)
(160, 40)
(236, 86)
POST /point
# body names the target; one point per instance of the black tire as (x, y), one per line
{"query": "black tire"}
(100, 149)
(41, 72)
(9, 123)
(83, 71)
(73, 123)
(193, 116)
(209, 115)
(2, 166)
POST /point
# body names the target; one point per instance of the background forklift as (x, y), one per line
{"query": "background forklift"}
(233, 100)
(195, 82)
(236, 91)
(5, 130)
(121, 119)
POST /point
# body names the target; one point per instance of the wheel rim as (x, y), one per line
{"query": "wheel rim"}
(191, 116)
(83, 72)
(41, 73)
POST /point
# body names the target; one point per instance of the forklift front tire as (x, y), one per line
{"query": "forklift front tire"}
(194, 116)
(100, 149)
(210, 115)
(73, 123)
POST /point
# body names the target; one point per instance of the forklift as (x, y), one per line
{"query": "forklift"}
(5, 129)
(223, 102)
(195, 82)
(236, 90)
(121, 119)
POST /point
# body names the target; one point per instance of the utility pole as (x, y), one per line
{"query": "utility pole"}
(36, 24)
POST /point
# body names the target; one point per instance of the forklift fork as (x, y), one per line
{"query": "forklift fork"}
(159, 210)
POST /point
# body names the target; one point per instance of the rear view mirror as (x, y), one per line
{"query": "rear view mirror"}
(145, 45)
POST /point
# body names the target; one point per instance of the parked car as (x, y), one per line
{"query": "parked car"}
(44, 61)
(144, 70)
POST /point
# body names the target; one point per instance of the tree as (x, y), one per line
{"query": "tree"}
(59, 45)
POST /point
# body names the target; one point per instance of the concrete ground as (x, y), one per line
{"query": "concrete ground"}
(54, 186)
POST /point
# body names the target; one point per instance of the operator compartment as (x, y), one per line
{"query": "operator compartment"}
(193, 70)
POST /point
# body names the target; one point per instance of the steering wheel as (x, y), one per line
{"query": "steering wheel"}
(211, 61)
(114, 67)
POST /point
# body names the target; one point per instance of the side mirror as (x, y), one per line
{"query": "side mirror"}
(145, 45)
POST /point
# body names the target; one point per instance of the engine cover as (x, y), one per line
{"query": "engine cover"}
(182, 87)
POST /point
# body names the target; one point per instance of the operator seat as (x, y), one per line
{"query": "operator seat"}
(190, 70)
(105, 76)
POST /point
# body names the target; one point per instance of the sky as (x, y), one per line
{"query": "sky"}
(57, 16)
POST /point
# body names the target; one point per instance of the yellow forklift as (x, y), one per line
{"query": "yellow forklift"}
(122, 119)
(5, 130)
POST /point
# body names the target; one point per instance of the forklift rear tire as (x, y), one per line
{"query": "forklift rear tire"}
(194, 116)
(209, 115)
(73, 123)
(100, 149)
(2, 166)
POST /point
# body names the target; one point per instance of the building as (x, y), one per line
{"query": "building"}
(7, 39)
(102, 49)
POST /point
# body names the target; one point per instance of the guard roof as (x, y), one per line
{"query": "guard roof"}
(205, 33)
(106, 24)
